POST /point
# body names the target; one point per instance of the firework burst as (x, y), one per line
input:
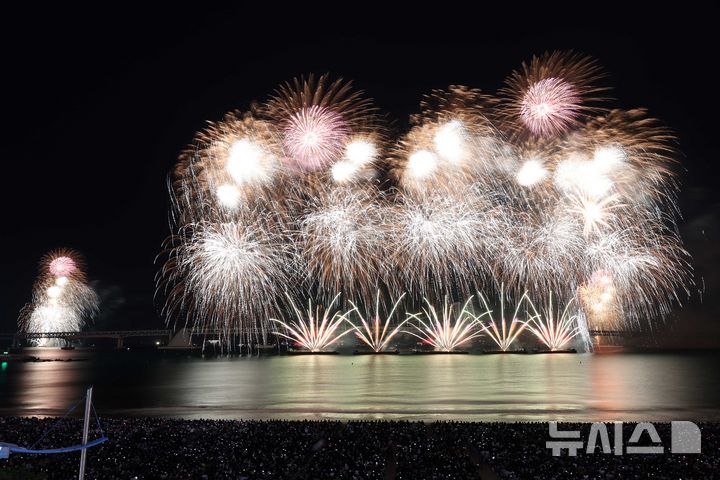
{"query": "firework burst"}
(62, 266)
(438, 245)
(316, 119)
(342, 242)
(62, 300)
(550, 94)
(598, 300)
(225, 278)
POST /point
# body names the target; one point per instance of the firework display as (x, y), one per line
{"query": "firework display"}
(62, 299)
(541, 195)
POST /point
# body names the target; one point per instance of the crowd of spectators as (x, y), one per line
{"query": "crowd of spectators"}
(163, 448)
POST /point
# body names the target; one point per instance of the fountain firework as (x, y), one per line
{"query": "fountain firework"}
(446, 331)
(498, 330)
(555, 326)
(315, 330)
(376, 334)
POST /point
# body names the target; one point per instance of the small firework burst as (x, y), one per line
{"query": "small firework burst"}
(62, 300)
(532, 172)
(549, 106)
(62, 266)
(316, 119)
(595, 214)
(314, 138)
(359, 162)
(550, 94)
(598, 299)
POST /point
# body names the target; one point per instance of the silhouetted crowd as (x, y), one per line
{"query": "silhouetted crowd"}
(161, 448)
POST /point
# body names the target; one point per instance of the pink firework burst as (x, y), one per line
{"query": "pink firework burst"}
(62, 266)
(314, 138)
(549, 106)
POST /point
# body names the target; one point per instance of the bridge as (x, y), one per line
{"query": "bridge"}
(181, 335)
(119, 335)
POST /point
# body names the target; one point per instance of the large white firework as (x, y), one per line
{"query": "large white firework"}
(225, 278)
(342, 241)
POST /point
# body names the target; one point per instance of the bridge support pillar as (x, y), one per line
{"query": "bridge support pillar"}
(120, 342)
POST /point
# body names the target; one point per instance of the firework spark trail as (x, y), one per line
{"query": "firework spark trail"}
(499, 332)
(374, 333)
(445, 331)
(553, 328)
(62, 301)
(535, 189)
(309, 331)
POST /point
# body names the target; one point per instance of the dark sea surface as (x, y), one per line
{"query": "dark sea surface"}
(565, 387)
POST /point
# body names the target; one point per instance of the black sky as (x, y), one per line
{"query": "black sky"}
(98, 103)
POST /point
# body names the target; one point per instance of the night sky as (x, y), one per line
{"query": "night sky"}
(98, 104)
